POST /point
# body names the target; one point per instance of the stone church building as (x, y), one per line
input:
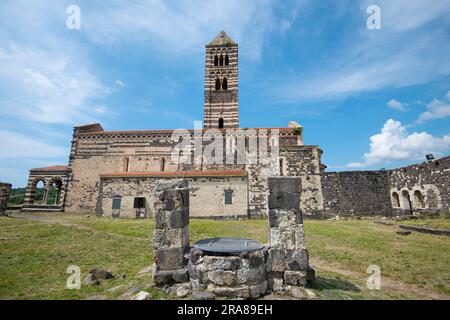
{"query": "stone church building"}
(113, 173)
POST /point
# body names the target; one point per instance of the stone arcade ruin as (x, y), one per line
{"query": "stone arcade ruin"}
(234, 268)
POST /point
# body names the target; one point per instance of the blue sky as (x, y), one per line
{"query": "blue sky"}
(369, 98)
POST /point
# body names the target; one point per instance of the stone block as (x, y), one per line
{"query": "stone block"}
(180, 275)
(295, 278)
(310, 274)
(179, 218)
(275, 281)
(221, 277)
(275, 261)
(225, 263)
(258, 290)
(230, 292)
(162, 278)
(170, 259)
(284, 184)
(284, 200)
(296, 260)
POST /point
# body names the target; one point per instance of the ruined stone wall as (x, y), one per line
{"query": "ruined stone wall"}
(304, 162)
(421, 187)
(426, 184)
(5, 191)
(207, 195)
(360, 193)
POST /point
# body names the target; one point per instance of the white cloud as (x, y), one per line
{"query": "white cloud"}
(436, 109)
(409, 50)
(394, 143)
(120, 83)
(14, 145)
(183, 27)
(397, 105)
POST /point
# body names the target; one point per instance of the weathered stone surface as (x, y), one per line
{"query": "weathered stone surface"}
(180, 275)
(222, 277)
(275, 282)
(298, 293)
(5, 191)
(295, 278)
(162, 277)
(143, 295)
(296, 260)
(276, 260)
(230, 292)
(284, 184)
(179, 218)
(202, 295)
(284, 200)
(224, 263)
(170, 259)
(258, 290)
(101, 274)
(182, 290)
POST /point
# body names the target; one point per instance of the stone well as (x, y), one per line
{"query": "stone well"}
(230, 273)
(249, 269)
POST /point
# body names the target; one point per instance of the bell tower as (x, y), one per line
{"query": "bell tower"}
(221, 108)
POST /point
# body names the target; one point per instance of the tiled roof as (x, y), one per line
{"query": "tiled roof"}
(52, 168)
(206, 173)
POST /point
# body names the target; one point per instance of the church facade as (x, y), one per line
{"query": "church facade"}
(113, 173)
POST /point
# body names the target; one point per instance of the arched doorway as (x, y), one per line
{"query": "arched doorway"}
(54, 192)
(38, 192)
(419, 199)
(406, 201)
(395, 200)
(220, 123)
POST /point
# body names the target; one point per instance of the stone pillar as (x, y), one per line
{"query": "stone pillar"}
(5, 190)
(171, 232)
(287, 263)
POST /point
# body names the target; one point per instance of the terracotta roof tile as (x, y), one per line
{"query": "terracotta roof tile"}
(52, 168)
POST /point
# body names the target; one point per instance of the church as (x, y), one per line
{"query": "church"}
(113, 173)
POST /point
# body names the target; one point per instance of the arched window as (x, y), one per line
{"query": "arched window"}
(227, 60)
(395, 200)
(217, 84)
(224, 84)
(221, 60)
(418, 199)
(220, 123)
(216, 60)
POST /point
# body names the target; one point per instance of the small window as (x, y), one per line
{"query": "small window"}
(139, 203)
(224, 84)
(217, 84)
(216, 60)
(228, 197)
(116, 203)
(227, 61)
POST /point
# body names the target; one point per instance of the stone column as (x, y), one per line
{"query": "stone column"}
(5, 190)
(171, 232)
(287, 263)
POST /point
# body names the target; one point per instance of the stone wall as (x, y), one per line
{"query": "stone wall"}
(207, 195)
(427, 185)
(423, 187)
(359, 193)
(5, 191)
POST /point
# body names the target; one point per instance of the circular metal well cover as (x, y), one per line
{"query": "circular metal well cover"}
(228, 245)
